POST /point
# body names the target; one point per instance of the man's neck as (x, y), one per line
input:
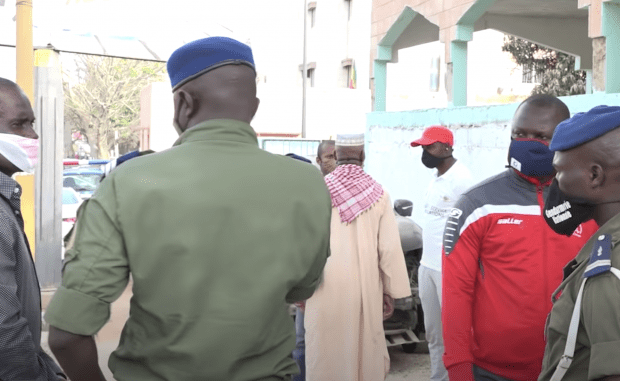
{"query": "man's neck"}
(606, 212)
(445, 165)
(351, 162)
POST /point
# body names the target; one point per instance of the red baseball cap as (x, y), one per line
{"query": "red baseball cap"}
(434, 134)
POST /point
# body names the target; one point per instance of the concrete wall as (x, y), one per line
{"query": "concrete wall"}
(482, 137)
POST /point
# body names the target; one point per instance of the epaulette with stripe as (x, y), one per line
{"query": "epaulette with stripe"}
(600, 258)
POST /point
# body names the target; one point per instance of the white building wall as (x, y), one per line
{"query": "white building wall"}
(156, 113)
(492, 76)
(398, 167)
(335, 38)
(481, 141)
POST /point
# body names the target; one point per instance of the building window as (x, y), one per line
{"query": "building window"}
(348, 72)
(531, 76)
(348, 5)
(435, 72)
(311, 67)
(311, 77)
(312, 13)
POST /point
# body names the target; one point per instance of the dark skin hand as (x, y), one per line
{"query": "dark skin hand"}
(443, 151)
(388, 306)
(76, 354)
(17, 118)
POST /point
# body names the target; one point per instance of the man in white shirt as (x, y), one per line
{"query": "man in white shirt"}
(450, 181)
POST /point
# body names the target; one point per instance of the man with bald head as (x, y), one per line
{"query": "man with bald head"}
(218, 235)
(326, 157)
(583, 330)
(502, 262)
(366, 271)
(21, 356)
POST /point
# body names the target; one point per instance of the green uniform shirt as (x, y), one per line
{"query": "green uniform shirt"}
(218, 236)
(598, 338)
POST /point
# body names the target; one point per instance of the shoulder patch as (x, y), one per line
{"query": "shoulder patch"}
(600, 258)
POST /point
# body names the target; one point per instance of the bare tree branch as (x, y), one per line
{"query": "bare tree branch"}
(106, 98)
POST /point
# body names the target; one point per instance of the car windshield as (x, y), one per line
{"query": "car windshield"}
(82, 182)
(69, 197)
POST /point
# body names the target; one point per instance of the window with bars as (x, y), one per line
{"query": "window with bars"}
(531, 76)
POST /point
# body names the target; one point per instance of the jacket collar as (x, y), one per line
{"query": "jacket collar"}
(219, 129)
(529, 179)
(8, 186)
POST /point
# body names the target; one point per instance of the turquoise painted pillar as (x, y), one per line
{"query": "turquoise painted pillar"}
(611, 31)
(384, 55)
(458, 52)
(380, 68)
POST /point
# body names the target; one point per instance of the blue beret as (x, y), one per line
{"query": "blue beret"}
(198, 57)
(585, 126)
(297, 157)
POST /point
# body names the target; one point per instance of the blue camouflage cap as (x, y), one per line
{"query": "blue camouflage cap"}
(585, 126)
(198, 57)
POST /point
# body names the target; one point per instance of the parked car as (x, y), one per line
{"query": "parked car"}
(71, 201)
(83, 180)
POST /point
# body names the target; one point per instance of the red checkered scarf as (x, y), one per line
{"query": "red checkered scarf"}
(353, 191)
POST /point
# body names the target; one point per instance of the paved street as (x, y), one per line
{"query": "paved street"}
(409, 367)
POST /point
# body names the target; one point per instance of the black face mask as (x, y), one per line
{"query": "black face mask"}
(431, 161)
(563, 213)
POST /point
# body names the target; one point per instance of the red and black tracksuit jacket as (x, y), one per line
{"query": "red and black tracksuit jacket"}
(502, 262)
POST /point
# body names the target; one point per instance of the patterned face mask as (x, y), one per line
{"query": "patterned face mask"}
(22, 152)
(531, 157)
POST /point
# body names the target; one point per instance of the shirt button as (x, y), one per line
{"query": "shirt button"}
(16, 190)
(601, 237)
(17, 212)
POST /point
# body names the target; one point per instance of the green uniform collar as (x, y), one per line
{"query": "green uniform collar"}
(578, 264)
(219, 129)
(611, 227)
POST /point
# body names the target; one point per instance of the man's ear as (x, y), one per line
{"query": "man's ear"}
(256, 108)
(597, 176)
(185, 108)
(318, 160)
(363, 156)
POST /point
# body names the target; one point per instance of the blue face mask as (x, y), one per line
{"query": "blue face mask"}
(531, 157)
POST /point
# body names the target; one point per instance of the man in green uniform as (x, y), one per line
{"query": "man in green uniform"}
(583, 330)
(217, 234)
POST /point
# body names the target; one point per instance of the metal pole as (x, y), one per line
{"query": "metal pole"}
(304, 73)
(23, 48)
(24, 59)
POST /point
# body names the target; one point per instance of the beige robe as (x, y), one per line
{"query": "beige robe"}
(345, 340)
